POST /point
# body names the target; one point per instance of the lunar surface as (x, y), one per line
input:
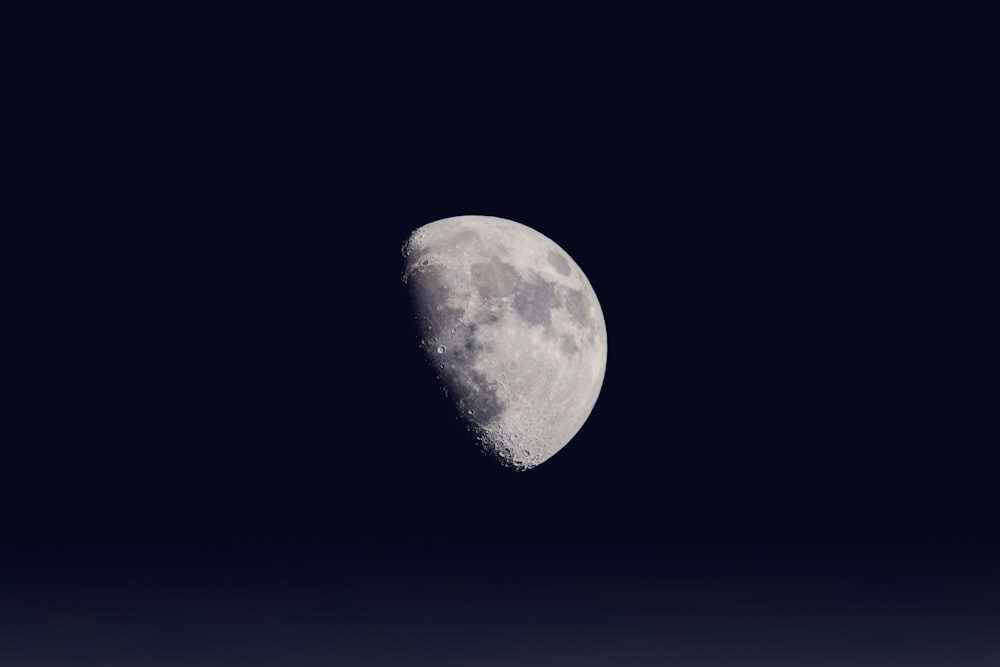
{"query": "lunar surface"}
(513, 329)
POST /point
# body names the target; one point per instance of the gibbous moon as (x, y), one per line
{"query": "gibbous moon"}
(514, 330)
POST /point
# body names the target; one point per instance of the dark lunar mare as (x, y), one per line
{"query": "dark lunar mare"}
(534, 302)
(558, 262)
(578, 306)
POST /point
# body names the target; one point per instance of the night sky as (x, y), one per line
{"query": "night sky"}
(234, 454)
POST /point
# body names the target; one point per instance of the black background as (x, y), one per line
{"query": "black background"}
(234, 453)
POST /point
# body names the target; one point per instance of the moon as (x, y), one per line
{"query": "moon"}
(513, 329)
